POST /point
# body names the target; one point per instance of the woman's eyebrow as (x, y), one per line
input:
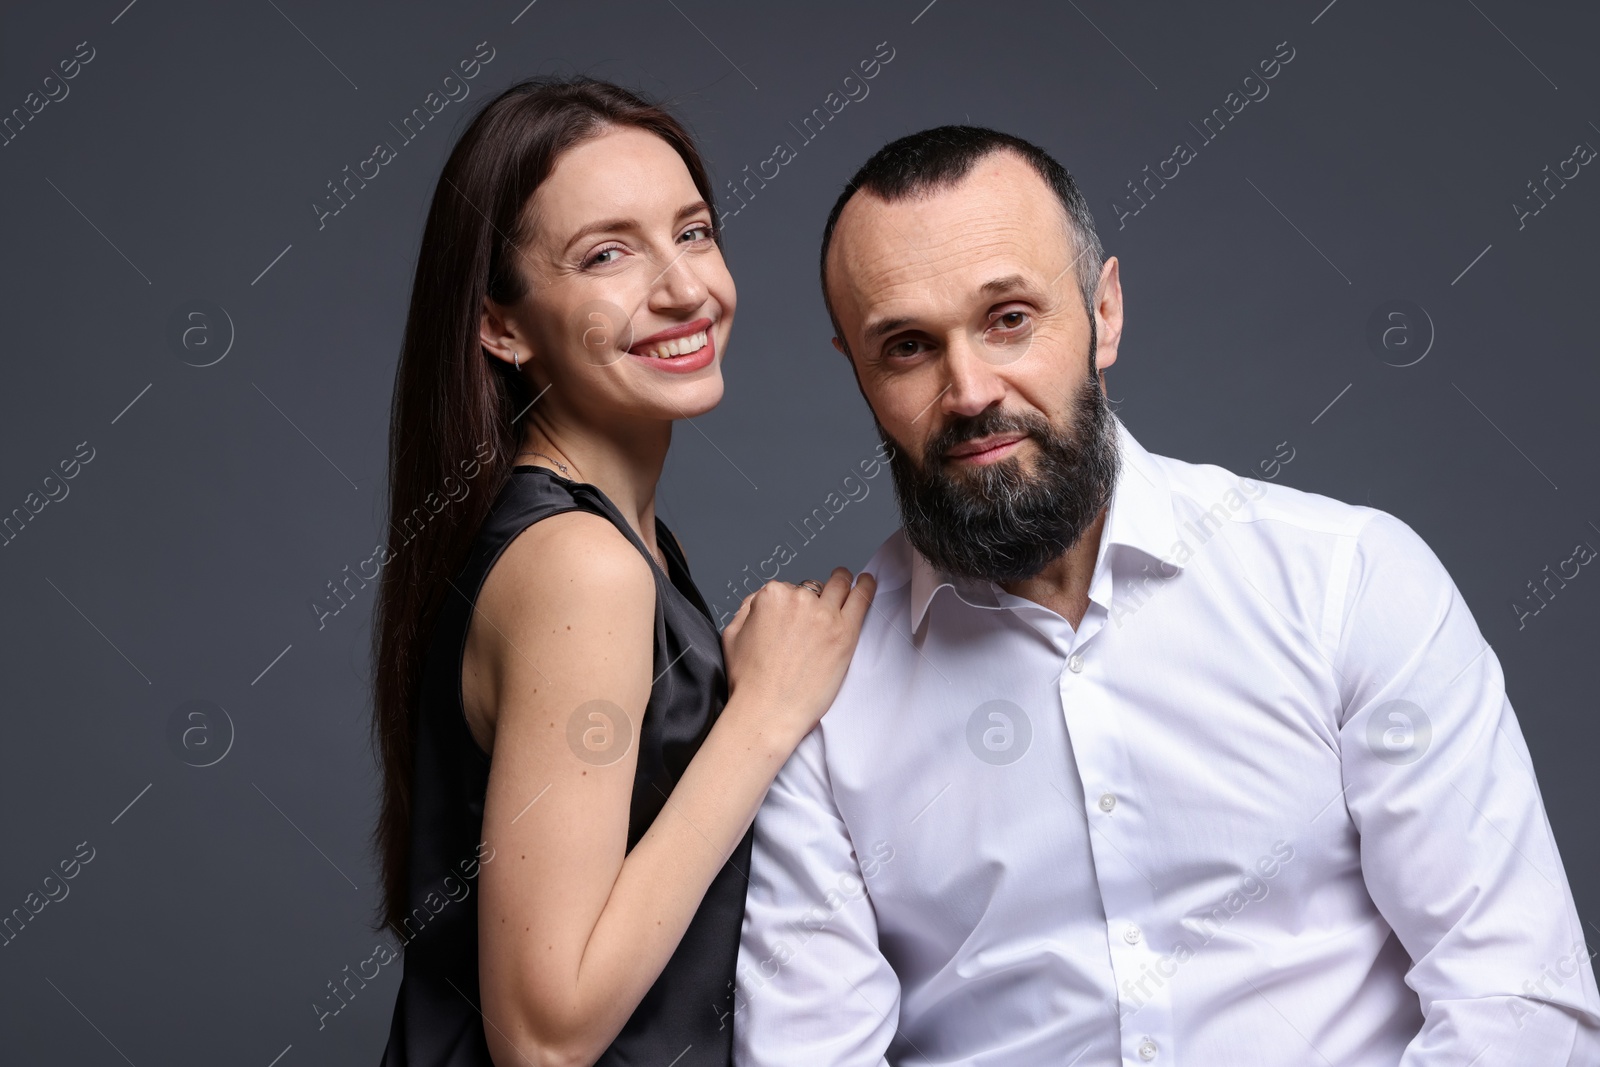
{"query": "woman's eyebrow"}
(620, 224)
(603, 226)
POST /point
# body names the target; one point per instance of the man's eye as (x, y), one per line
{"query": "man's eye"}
(1012, 320)
(904, 348)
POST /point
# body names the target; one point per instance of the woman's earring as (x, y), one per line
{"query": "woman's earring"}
(516, 358)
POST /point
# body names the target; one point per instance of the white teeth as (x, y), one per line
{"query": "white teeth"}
(680, 346)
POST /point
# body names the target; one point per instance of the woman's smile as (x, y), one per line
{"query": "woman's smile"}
(680, 349)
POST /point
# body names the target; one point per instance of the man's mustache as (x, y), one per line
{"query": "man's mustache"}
(971, 428)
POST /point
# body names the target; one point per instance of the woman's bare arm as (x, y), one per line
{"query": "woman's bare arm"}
(573, 928)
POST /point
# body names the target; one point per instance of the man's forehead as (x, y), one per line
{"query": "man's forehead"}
(1001, 217)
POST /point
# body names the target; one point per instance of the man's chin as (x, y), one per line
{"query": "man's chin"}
(1014, 468)
(954, 548)
(1036, 562)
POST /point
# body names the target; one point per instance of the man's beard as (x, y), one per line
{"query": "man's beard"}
(997, 522)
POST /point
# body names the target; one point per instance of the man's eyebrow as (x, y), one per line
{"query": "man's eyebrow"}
(1010, 283)
(620, 224)
(883, 327)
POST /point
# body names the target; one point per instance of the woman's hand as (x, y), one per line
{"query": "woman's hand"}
(788, 647)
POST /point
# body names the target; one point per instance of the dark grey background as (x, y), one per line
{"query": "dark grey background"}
(184, 162)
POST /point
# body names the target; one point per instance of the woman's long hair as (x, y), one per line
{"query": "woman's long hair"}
(454, 424)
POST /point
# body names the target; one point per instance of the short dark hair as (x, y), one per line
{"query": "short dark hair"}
(940, 157)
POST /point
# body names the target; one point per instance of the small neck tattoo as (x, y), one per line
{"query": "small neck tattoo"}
(562, 467)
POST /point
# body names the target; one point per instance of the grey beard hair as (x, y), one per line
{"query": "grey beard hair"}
(997, 522)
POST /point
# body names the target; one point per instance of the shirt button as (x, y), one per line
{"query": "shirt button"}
(1147, 1050)
(1131, 935)
(1107, 802)
(1075, 663)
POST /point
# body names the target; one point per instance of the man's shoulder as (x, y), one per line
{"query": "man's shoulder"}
(890, 564)
(1309, 533)
(1200, 489)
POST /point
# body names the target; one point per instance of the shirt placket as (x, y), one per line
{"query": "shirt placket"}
(1117, 818)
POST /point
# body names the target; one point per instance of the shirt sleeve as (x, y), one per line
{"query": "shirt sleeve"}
(1456, 849)
(812, 985)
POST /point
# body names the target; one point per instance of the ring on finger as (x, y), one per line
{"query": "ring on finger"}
(813, 585)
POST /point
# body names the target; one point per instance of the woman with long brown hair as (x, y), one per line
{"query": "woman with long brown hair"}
(572, 756)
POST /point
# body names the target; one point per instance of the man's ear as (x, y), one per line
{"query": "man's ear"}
(1108, 309)
(838, 344)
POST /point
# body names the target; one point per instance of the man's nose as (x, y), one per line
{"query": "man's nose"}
(971, 384)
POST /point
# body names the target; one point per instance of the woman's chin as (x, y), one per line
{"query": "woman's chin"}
(685, 397)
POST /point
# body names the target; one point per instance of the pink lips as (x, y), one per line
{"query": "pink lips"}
(986, 450)
(684, 364)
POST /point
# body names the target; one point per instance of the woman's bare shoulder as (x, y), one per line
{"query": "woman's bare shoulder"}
(571, 556)
(569, 603)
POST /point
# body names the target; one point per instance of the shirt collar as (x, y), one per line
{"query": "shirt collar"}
(1140, 518)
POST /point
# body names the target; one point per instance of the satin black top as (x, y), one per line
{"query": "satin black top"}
(686, 1017)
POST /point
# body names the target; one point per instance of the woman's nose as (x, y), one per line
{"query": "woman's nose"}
(678, 285)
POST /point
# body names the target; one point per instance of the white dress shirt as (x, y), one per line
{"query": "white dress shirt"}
(1267, 805)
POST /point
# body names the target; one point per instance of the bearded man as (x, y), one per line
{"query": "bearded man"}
(1137, 762)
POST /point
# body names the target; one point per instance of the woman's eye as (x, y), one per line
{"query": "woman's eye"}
(599, 258)
(697, 233)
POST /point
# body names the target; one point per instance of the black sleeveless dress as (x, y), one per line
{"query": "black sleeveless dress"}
(686, 1019)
